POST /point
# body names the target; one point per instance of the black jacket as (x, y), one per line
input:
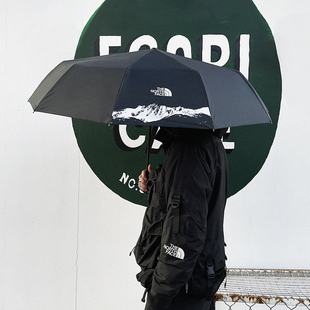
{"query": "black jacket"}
(181, 245)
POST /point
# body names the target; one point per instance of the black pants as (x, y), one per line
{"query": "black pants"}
(185, 302)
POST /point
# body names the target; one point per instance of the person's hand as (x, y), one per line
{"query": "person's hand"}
(143, 178)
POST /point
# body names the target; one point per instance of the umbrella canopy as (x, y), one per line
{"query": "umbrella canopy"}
(150, 87)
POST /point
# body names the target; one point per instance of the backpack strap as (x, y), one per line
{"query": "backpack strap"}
(211, 276)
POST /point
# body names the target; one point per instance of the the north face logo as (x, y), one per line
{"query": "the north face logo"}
(174, 251)
(162, 91)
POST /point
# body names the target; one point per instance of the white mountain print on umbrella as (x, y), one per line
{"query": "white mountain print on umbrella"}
(154, 112)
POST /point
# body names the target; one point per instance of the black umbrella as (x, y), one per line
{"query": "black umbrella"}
(150, 87)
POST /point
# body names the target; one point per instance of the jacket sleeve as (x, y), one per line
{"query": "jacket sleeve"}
(187, 182)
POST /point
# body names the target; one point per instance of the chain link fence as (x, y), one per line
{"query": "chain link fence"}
(244, 289)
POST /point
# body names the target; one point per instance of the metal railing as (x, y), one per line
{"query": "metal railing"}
(246, 288)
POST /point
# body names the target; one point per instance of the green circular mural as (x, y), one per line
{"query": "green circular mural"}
(228, 33)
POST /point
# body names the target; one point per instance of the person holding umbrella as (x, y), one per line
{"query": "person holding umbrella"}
(181, 246)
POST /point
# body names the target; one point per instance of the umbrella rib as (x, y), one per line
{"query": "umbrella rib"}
(255, 93)
(206, 95)
(119, 89)
(123, 81)
(197, 72)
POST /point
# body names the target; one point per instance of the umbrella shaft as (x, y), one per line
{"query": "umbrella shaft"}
(148, 150)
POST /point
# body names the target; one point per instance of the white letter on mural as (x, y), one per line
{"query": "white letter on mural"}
(142, 40)
(244, 56)
(107, 41)
(124, 178)
(218, 40)
(132, 183)
(182, 42)
(127, 140)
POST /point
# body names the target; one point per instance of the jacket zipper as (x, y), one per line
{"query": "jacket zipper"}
(186, 287)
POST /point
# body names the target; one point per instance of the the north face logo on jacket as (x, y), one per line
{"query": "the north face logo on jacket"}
(174, 251)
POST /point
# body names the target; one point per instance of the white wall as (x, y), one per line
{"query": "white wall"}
(267, 224)
(64, 237)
